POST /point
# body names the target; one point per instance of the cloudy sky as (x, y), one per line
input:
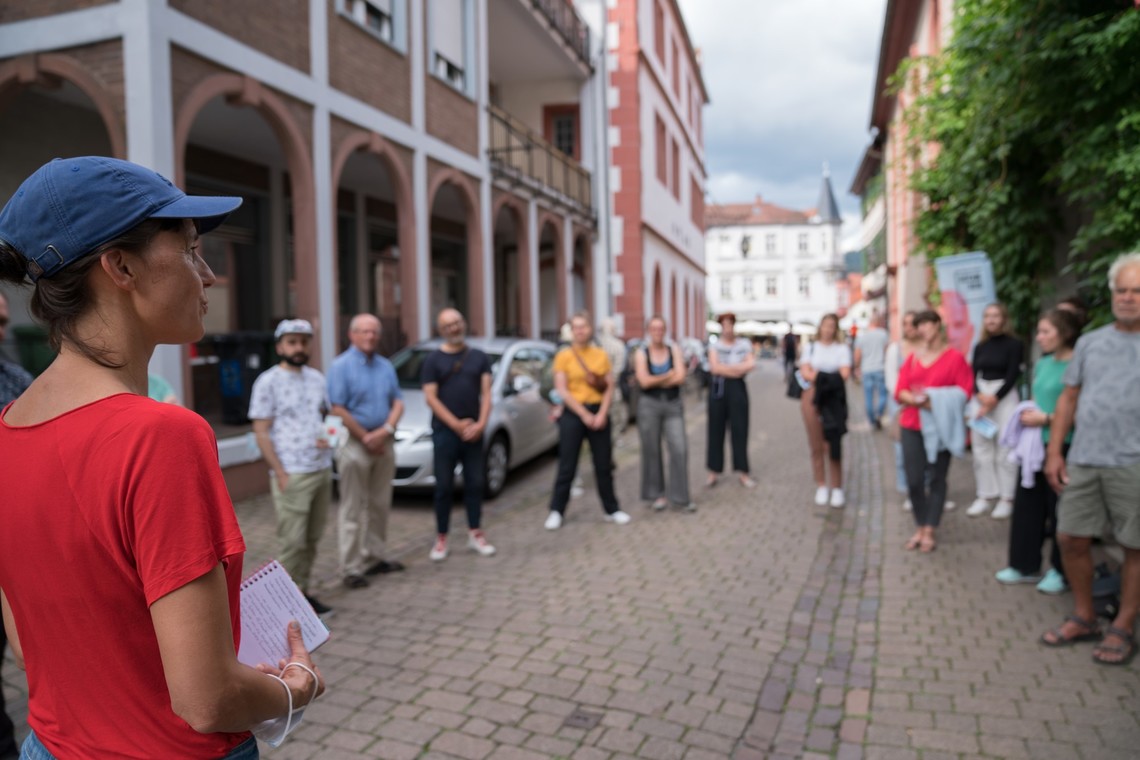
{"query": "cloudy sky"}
(790, 83)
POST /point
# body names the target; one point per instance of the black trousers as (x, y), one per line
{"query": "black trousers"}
(571, 432)
(728, 407)
(1034, 520)
(7, 730)
(449, 450)
(925, 482)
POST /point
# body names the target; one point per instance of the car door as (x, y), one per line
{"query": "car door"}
(527, 414)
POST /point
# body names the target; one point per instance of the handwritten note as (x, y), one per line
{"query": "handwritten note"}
(269, 600)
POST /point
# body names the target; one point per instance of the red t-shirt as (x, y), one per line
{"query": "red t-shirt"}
(948, 369)
(106, 509)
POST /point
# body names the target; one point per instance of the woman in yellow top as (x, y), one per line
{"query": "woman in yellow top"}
(584, 380)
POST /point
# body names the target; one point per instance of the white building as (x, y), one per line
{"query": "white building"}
(774, 264)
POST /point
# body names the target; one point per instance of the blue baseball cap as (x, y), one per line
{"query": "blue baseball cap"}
(71, 206)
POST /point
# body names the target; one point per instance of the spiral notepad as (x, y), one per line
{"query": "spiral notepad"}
(269, 600)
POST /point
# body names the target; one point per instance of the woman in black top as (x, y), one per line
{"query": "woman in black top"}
(660, 372)
(997, 366)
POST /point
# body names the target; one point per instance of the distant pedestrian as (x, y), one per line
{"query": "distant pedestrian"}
(288, 405)
(457, 387)
(730, 361)
(616, 351)
(585, 383)
(14, 379)
(933, 386)
(791, 347)
(365, 393)
(1035, 503)
(120, 554)
(660, 372)
(826, 364)
(897, 353)
(1101, 477)
(997, 367)
(159, 389)
(870, 358)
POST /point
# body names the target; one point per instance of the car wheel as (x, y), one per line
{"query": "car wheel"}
(495, 466)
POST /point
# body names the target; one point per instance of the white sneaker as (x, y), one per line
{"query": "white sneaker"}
(439, 551)
(949, 506)
(618, 518)
(821, 496)
(979, 507)
(837, 498)
(1003, 510)
(476, 541)
(553, 521)
(907, 506)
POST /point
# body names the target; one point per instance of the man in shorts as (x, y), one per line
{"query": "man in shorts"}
(1100, 482)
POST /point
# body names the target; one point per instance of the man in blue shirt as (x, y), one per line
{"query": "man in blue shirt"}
(365, 393)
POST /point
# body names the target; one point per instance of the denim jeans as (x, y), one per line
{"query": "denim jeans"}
(450, 449)
(875, 394)
(33, 749)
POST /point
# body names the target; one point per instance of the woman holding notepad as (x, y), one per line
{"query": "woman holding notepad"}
(120, 554)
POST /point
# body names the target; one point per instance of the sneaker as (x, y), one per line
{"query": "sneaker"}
(747, 481)
(907, 506)
(660, 504)
(1053, 583)
(837, 498)
(439, 551)
(690, 507)
(979, 507)
(821, 495)
(1011, 575)
(553, 521)
(618, 518)
(323, 609)
(949, 506)
(476, 541)
(1003, 510)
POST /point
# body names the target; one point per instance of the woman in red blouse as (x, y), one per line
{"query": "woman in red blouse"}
(933, 365)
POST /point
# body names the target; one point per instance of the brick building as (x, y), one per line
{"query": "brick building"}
(656, 100)
(395, 156)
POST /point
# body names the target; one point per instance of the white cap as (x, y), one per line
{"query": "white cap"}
(292, 327)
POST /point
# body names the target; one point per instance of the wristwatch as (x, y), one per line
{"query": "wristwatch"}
(391, 430)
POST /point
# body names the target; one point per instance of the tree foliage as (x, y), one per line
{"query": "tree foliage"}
(1034, 106)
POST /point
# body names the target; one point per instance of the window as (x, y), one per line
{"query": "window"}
(725, 288)
(770, 244)
(383, 18)
(662, 151)
(770, 286)
(696, 202)
(659, 31)
(676, 176)
(805, 289)
(560, 128)
(803, 242)
(450, 23)
(676, 70)
(748, 292)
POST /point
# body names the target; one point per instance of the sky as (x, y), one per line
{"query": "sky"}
(790, 83)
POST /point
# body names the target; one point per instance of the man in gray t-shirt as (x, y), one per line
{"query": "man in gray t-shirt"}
(870, 357)
(1100, 482)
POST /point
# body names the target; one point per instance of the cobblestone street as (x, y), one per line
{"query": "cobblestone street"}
(760, 627)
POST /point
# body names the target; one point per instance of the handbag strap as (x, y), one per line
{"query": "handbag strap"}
(587, 370)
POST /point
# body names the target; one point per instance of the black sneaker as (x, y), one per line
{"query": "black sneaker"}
(318, 607)
(383, 567)
(355, 581)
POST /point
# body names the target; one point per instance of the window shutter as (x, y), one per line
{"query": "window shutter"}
(448, 30)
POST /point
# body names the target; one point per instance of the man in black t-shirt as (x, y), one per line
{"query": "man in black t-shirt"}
(457, 386)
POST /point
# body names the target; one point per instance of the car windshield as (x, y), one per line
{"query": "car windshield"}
(409, 365)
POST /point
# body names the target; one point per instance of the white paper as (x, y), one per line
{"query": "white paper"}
(269, 600)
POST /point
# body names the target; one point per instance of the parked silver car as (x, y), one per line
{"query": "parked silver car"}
(519, 429)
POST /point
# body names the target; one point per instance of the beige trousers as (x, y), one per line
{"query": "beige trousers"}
(365, 500)
(302, 512)
(994, 475)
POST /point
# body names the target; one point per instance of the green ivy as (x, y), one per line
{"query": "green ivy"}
(1035, 107)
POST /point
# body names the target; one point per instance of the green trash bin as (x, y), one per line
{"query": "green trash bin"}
(33, 347)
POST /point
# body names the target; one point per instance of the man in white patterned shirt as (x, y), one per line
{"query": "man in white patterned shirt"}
(288, 405)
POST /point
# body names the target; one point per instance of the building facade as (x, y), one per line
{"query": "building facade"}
(772, 264)
(657, 181)
(395, 156)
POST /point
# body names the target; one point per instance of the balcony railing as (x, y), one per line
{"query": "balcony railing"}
(568, 24)
(521, 155)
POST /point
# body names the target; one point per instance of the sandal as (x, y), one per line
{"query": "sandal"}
(1059, 639)
(1115, 654)
(927, 544)
(913, 543)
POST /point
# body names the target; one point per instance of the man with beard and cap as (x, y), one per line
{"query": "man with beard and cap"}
(457, 387)
(288, 405)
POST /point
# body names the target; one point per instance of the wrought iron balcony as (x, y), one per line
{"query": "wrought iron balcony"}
(569, 25)
(520, 155)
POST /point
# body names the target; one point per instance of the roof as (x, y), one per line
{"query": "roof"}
(757, 212)
(869, 167)
(898, 31)
(696, 58)
(827, 208)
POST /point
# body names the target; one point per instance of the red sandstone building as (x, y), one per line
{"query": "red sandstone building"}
(395, 156)
(658, 174)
